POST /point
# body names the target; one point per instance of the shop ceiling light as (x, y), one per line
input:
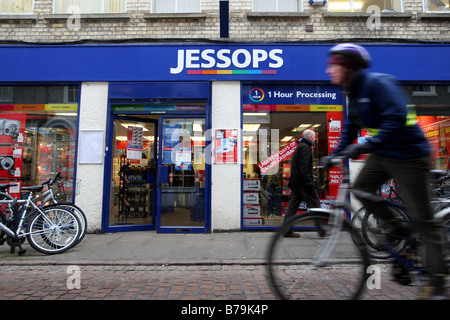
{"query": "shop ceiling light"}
(261, 114)
(302, 127)
(287, 138)
(251, 127)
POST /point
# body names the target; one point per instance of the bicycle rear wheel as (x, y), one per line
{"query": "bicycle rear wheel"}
(53, 231)
(78, 213)
(300, 268)
(373, 228)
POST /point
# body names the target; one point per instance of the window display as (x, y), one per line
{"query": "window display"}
(38, 135)
(274, 117)
(432, 104)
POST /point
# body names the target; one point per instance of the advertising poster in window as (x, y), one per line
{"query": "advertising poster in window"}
(11, 162)
(171, 135)
(225, 149)
(12, 128)
(334, 128)
(134, 143)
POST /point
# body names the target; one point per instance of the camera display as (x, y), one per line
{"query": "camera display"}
(10, 127)
(6, 162)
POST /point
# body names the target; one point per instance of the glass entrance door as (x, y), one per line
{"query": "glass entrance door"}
(133, 175)
(181, 175)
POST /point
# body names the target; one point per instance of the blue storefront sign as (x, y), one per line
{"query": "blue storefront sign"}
(206, 62)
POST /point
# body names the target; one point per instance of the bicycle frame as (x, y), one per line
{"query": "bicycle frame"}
(23, 215)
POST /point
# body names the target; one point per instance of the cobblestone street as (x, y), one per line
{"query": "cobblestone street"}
(155, 282)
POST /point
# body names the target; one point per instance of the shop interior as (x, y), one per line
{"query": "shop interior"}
(266, 195)
(138, 162)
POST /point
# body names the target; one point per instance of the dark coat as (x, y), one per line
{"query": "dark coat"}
(302, 166)
(376, 101)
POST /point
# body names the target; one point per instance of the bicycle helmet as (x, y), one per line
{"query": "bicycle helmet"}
(350, 55)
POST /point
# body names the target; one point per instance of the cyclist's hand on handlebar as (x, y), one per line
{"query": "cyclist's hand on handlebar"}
(326, 162)
(354, 150)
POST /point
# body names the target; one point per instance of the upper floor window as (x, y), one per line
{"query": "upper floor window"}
(16, 6)
(176, 6)
(436, 5)
(276, 6)
(362, 5)
(89, 6)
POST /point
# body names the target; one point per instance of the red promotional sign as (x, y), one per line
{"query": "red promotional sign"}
(334, 138)
(226, 146)
(278, 157)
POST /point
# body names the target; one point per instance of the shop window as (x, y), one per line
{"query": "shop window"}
(176, 6)
(363, 5)
(16, 6)
(89, 6)
(276, 6)
(273, 118)
(424, 91)
(437, 5)
(432, 105)
(38, 135)
(6, 94)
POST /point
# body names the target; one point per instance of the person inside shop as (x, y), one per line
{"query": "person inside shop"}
(397, 149)
(301, 181)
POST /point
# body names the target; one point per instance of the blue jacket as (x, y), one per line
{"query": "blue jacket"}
(376, 101)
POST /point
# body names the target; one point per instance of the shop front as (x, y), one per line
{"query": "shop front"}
(158, 174)
(190, 137)
(274, 117)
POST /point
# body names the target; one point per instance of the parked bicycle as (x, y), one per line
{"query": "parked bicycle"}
(371, 226)
(50, 198)
(49, 230)
(334, 265)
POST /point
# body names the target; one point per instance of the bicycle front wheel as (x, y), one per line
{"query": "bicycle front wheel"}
(331, 266)
(53, 230)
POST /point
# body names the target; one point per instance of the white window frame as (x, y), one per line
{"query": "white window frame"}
(31, 12)
(153, 7)
(299, 6)
(424, 93)
(103, 8)
(6, 94)
(425, 7)
(330, 3)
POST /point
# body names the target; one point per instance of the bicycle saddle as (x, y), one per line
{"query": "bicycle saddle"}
(33, 188)
(3, 187)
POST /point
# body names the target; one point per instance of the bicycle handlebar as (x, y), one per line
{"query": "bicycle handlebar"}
(49, 182)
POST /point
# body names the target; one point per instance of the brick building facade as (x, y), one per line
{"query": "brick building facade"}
(139, 22)
(110, 92)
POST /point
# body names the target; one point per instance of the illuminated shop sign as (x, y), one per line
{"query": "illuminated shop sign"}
(192, 62)
(227, 61)
(291, 98)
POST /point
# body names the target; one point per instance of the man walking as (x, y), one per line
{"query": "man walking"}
(301, 180)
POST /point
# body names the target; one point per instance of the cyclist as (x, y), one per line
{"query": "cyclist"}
(398, 149)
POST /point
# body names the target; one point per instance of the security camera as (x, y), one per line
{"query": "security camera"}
(317, 2)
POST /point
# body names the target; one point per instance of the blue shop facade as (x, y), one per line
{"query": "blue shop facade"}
(190, 138)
